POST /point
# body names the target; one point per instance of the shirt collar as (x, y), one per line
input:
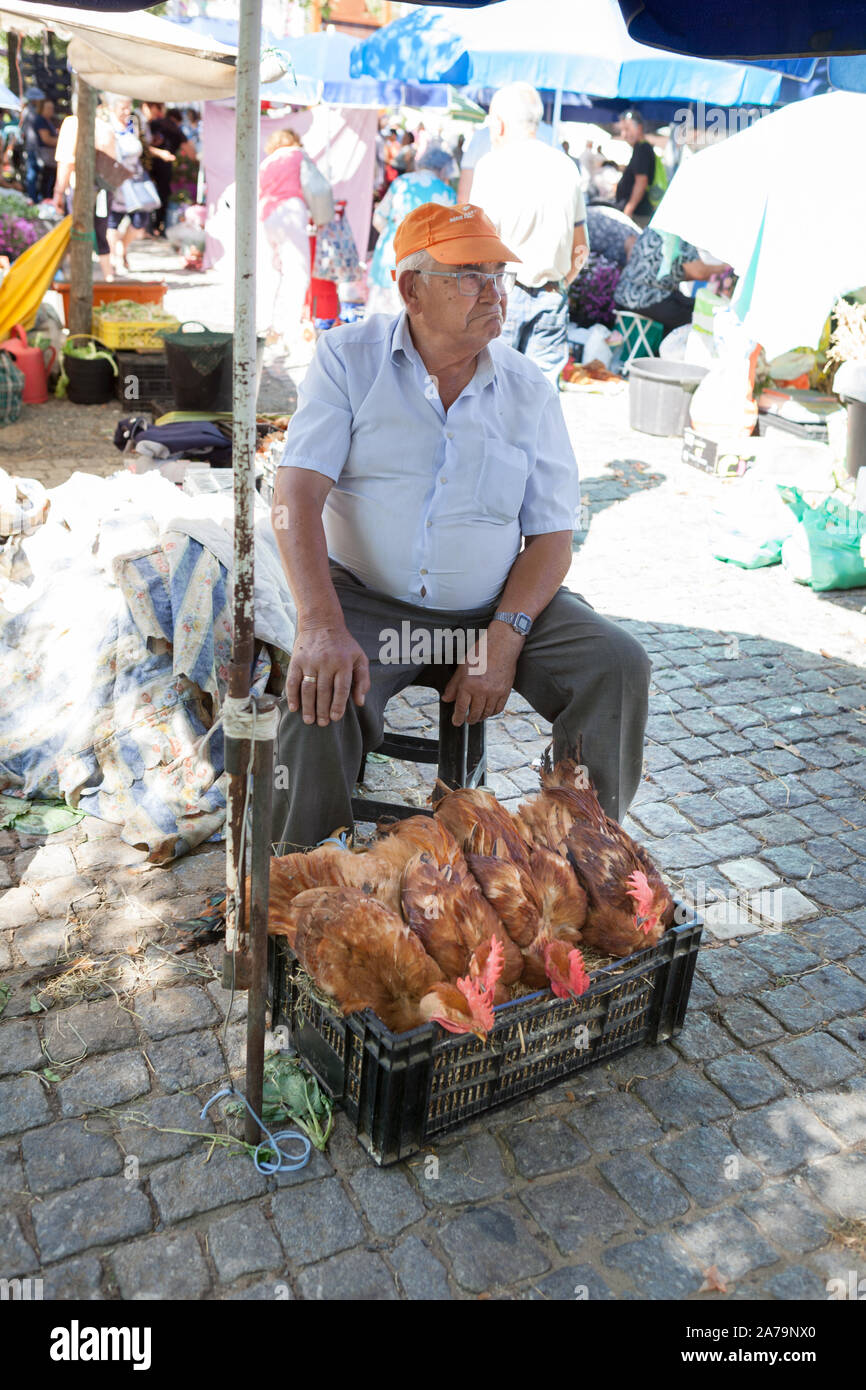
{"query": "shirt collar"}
(401, 341)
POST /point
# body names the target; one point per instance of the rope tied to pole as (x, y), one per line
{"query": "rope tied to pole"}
(282, 1162)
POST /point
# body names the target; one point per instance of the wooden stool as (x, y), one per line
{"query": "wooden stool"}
(461, 755)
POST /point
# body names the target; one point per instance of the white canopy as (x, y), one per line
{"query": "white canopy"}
(136, 55)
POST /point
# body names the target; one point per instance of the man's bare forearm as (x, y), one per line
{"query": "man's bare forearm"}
(537, 573)
(297, 521)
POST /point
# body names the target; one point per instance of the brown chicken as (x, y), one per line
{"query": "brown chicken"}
(455, 922)
(377, 871)
(364, 956)
(479, 824)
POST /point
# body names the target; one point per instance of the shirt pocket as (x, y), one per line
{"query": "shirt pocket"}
(502, 481)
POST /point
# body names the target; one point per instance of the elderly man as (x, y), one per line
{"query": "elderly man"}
(423, 453)
(532, 193)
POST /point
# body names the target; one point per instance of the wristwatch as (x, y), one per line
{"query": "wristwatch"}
(521, 622)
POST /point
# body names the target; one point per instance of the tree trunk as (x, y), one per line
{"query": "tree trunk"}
(81, 243)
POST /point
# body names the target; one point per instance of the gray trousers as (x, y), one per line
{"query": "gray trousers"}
(578, 670)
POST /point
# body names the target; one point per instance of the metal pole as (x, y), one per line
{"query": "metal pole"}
(243, 450)
(557, 116)
(263, 786)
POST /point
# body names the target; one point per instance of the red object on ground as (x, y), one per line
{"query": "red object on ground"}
(30, 361)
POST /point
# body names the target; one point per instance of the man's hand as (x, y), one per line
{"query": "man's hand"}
(338, 668)
(480, 687)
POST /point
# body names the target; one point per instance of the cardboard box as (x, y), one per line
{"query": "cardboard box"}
(724, 458)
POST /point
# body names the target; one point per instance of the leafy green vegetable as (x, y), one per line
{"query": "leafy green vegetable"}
(91, 353)
(131, 311)
(290, 1093)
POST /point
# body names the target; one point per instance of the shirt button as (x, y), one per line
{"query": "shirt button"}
(429, 523)
(449, 434)
(422, 571)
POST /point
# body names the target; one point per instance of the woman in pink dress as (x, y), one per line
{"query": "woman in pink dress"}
(284, 215)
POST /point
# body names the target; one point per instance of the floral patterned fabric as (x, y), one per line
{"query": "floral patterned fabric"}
(114, 653)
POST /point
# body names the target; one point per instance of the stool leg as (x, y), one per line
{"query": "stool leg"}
(462, 751)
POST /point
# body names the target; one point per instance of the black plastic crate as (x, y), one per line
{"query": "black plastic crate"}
(403, 1090)
(146, 376)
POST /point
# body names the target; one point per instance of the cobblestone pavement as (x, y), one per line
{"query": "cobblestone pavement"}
(740, 1144)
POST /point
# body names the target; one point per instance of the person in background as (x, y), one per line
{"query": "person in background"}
(391, 151)
(128, 145)
(46, 131)
(643, 287)
(191, 128)
(590, 161)
(632, 194)
(103, 139)
(611, 234)
(458, 150)
(531, 192)
(164, 140)
(33, 126)
(404, 159)
(284, 215)
(427, 183)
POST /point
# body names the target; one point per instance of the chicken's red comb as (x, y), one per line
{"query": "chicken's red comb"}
(480, 1001)
(495, 965)
(578, 979)
(640, 890)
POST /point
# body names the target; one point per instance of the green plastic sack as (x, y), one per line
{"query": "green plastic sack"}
(837, 539)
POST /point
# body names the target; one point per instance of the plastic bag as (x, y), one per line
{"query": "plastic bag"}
(836, 536)
(673, 346)
(752, 528)
(317, 192)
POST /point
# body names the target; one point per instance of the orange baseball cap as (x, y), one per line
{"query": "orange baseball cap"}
(453, 235)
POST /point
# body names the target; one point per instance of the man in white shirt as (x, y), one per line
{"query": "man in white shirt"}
(423, 454)
(532, 194)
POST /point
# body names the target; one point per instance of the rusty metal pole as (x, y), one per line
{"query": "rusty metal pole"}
(236, 962)
(263, 786)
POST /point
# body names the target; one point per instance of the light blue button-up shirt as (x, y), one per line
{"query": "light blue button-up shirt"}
(430, 506)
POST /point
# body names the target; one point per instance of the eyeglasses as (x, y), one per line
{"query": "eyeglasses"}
(472, 282)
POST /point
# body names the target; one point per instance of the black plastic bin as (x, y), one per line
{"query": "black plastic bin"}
(401, 1091)
(660, 393)
(201, 366)
(91, 381)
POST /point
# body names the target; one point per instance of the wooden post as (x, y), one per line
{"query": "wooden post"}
(81, 245)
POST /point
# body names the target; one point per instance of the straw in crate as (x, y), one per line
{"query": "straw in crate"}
(133, 327)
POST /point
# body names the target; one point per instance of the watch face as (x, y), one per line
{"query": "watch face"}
(523, 623)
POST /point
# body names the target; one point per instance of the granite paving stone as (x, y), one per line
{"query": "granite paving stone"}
(263, 1291)
(156, 1137)
(23, 1105)
(832, 938)
(681, 852)
(468, 1171)
(704, 809)
(186, 1061)
(178, 1010)
(728, 1240)
(677, 780)
(840, 1183)
(778, 829)
(574, 1211)
(749, 874)
(641, 1062)
(843, 1110)
(20, 1047)
(104, 1081)
(11, 1174)
(786, 1215)
(66, 1153)
(728, 840)
(779, 954)
(421, 1275)
(98, 1027)
(356, 1275)
(657, 1265)
(784, 905)
(72, 1280)
(782, 1136)
(831, 852)
(614, 1122)
(797, 1284)
(857, 964)
(701, 1039)
(18, 1255)
(98, 1212)
(46, 941)
(791, 861)
(821, 819)
(389, 1201)
(708, 1165)
(784, 794)
(836, 990)
(578, 1283)
(315, 1220)
(648, 1191)
(837, 891)
(544, 1146)
(749, 1023)
(730, 972)
(489, 1245)
(661, 818)
(682, 1098)
(815, 1060)
(188, 1185)
(793, 1007)
(169, 1266)
(243, 1243)
(746, 1080)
